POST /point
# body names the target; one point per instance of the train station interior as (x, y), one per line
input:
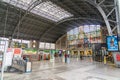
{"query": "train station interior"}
(59, 39)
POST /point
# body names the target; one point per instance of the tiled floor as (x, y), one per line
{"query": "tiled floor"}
(75, 70)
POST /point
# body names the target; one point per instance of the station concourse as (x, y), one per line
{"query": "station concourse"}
(59, 39)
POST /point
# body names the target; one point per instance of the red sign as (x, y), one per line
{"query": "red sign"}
(17, 51)
(118, 57)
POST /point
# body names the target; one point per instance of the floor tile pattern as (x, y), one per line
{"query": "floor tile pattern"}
(75, 70)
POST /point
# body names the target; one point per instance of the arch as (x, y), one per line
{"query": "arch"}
(68, 19)
(102, 13)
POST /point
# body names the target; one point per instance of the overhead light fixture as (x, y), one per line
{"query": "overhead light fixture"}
(46, 9)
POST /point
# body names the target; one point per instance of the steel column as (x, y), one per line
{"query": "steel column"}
(102, 13)
(117, 9)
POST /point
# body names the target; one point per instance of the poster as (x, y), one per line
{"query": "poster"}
(112, 43)
(17, 52)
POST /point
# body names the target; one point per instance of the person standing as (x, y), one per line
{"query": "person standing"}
(66, 57)
(81, 56)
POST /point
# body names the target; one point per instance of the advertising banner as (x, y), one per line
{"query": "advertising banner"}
(30, 51)
(17, 52)
(112, 43)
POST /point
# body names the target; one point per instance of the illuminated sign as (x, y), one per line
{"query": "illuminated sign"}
(112, 43)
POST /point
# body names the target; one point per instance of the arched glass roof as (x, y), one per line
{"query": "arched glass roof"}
(45, 9)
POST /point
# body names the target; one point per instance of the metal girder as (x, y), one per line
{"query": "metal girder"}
(108, 5)
(34, 4)
(35, 28)
(80, 18)
(52, 36)
(102, 13)
(38, 22)
(6, 18)
(29, 30)
(93, 10)
(113, 21)
(69, 19)
(117, 15)
(114, 28)
(101, 2)
(110, 12)
(47, 40)
(80, 9)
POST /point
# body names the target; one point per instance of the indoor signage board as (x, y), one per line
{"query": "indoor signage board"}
(112, 43)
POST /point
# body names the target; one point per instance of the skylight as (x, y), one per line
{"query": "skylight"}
(24, 4)
(46, 9)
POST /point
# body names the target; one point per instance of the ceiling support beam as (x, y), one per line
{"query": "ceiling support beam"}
(6, 18)
(79, 18)
(117, 8)
(101, 2)
(80, 9)
(69, 19)
(114, 28)
(105, 17)
(113, 21)
(33, 5)
(108, 5)
(110, 12)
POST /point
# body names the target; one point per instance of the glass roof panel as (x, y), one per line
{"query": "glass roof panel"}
(24, 4)
(46, 9)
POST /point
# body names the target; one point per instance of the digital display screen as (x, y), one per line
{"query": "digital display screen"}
(112, 43)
